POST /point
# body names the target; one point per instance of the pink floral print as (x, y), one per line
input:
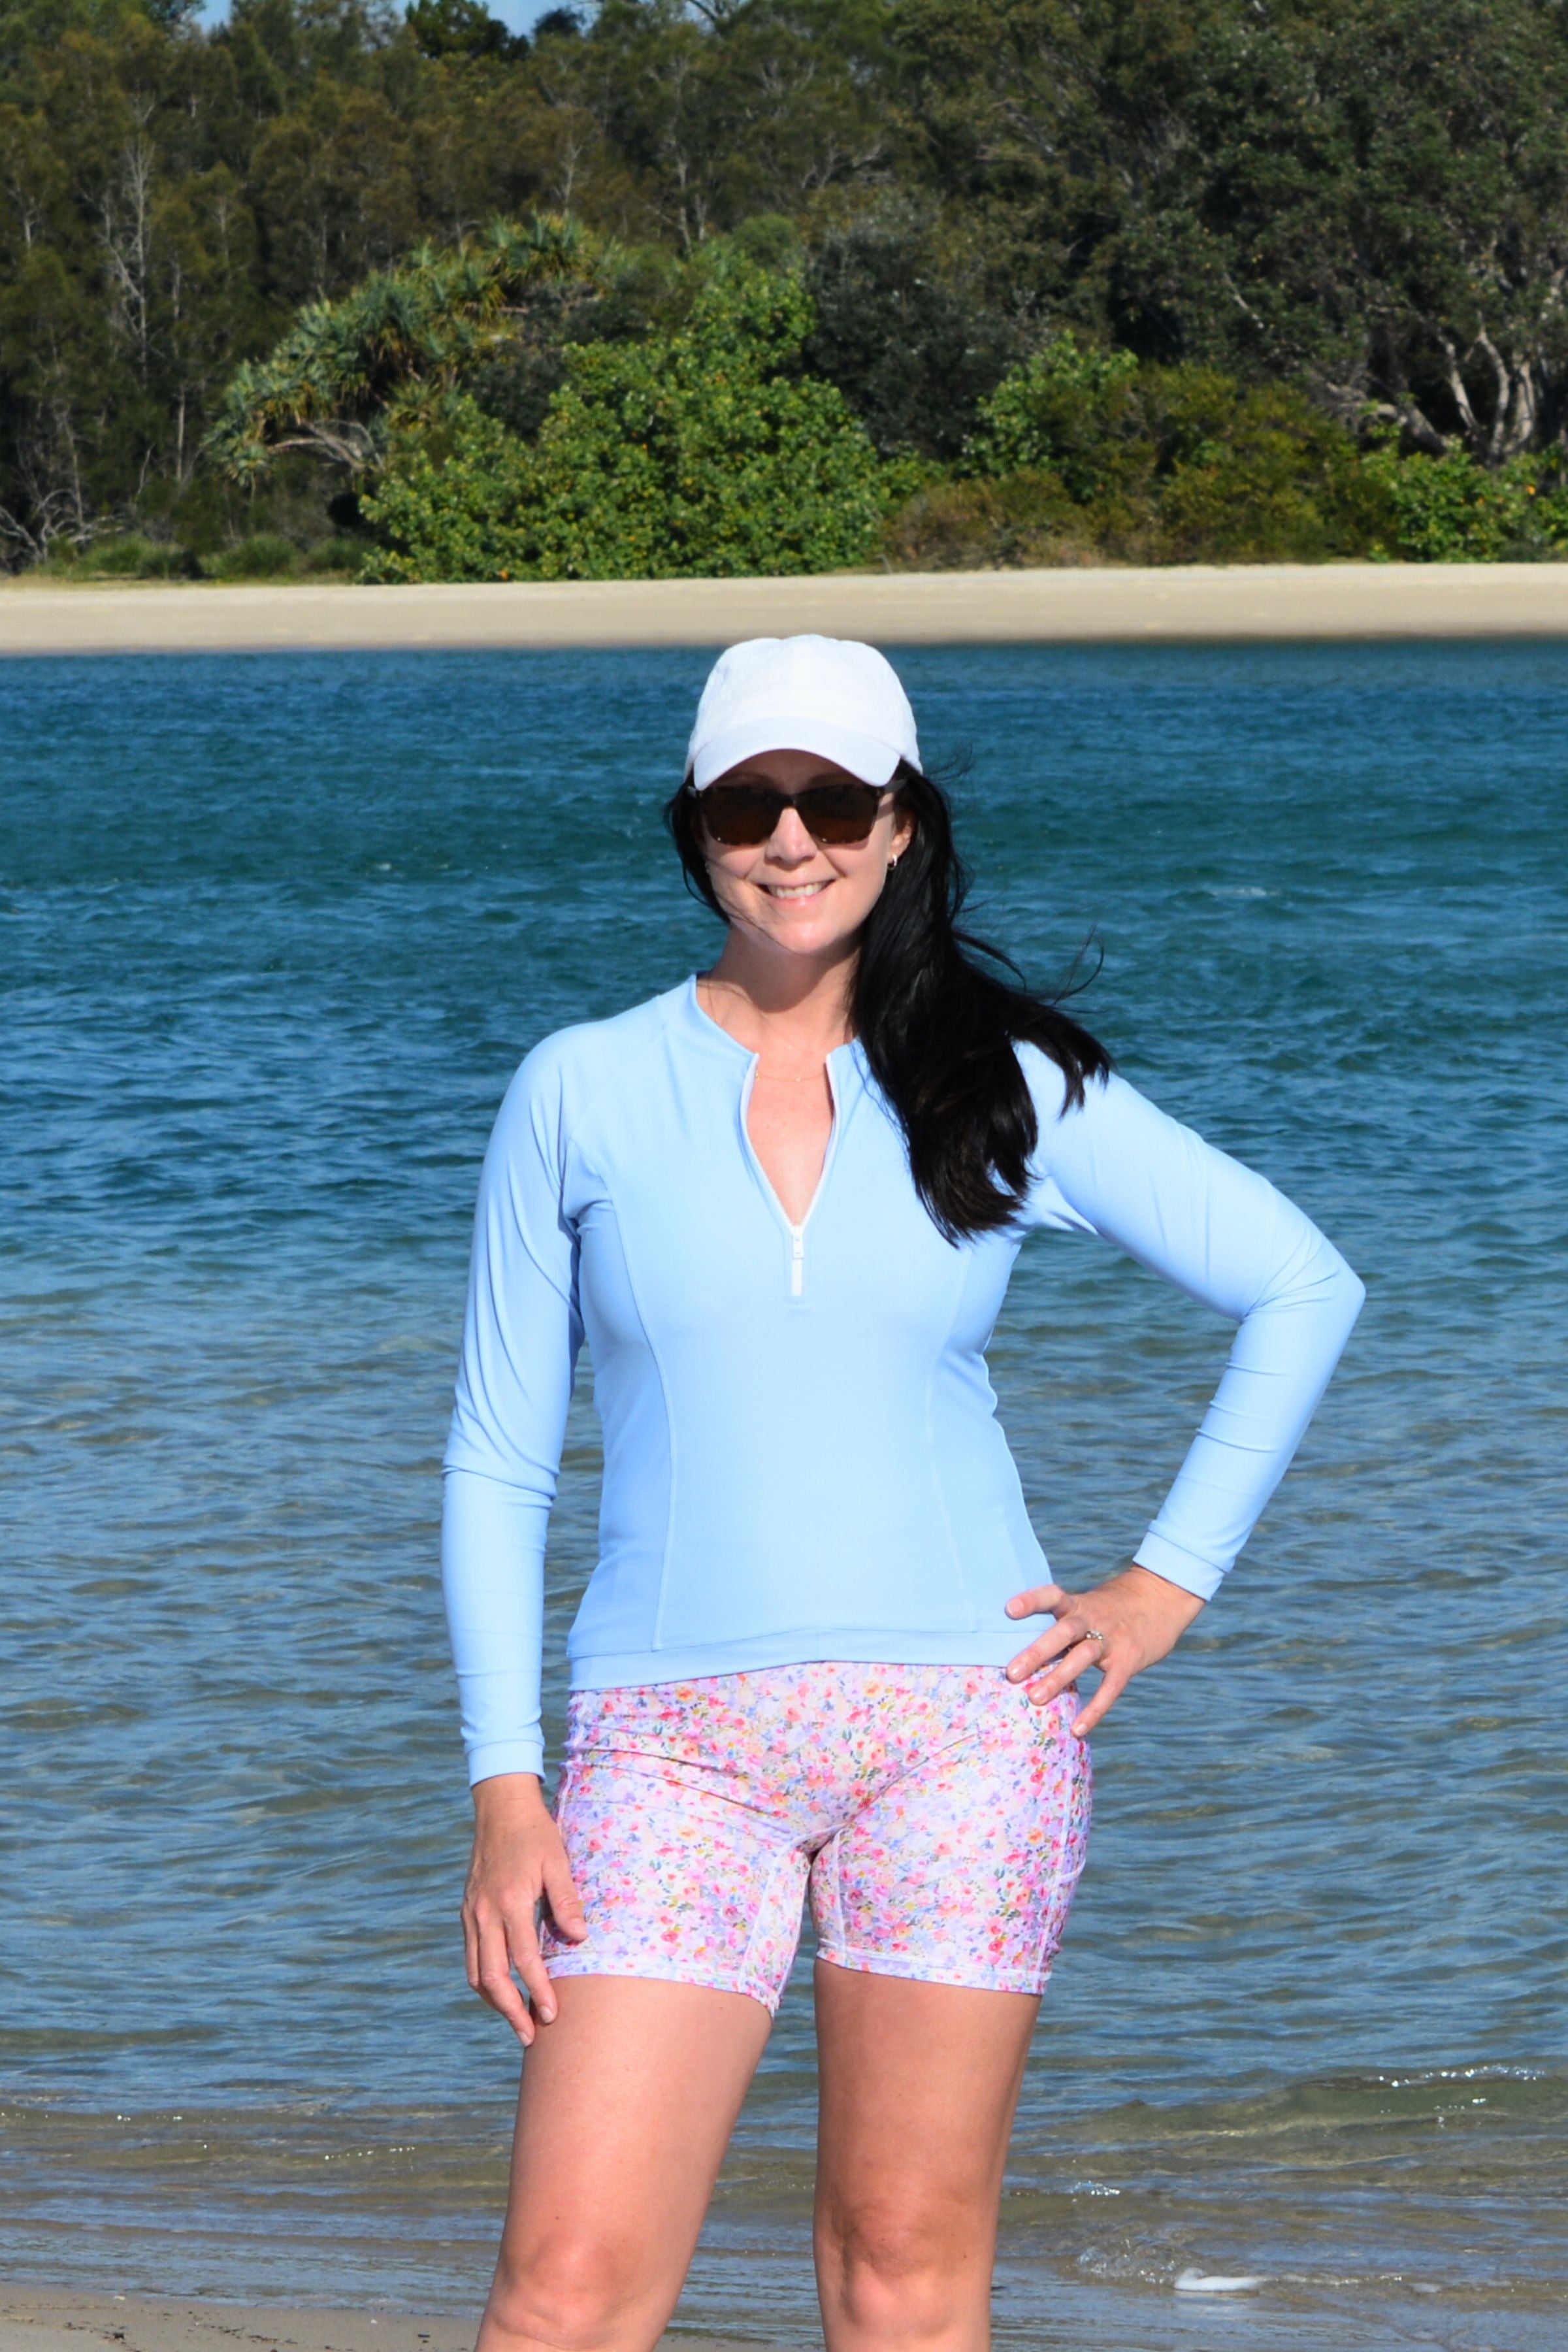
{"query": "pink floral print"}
(937, 1819)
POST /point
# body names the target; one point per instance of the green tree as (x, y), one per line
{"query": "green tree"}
(704, 451)
(461, 28)
(395, 347)
(1069, 409)
(1449, 509)
(908, 325)
(1174, 463)
(1370, 196)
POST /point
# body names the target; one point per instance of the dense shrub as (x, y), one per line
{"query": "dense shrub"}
(1162, 465)
(1073, 411)
(1026, 518)
(1448, 509)
(1253, 475)
(457, 501)
(264, 555)
(341, 554)
(129, 556)
(704, 450)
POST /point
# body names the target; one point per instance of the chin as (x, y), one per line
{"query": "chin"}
(808, 938)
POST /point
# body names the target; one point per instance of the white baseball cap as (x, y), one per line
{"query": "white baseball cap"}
(827, 695)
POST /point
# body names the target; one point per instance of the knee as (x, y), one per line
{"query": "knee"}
(899, 2273)
(568, 2294)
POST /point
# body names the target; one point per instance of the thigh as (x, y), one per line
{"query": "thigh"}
(919, 2083)
(627, 2102)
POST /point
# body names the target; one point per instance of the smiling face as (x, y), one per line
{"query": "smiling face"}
(791, 895)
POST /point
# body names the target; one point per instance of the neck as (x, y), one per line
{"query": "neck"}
(803, 1000)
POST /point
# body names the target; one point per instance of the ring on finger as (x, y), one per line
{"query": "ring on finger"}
(1091, 1633)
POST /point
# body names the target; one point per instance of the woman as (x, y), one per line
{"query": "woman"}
(781, 1202)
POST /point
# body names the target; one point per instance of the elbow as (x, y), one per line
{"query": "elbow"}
(1352, 1290)
(1321, 1288)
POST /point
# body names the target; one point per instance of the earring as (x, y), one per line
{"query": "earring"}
(891, 863)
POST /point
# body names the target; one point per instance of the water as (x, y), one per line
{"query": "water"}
(273, 934)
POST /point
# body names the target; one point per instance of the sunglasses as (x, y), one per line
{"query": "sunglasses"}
(743, 816)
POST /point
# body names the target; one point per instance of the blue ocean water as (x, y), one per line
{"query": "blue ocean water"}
(273, 934)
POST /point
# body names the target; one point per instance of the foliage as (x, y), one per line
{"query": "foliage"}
(1175, 464)
(461, 28)
(906, 326)
(389, 349)
(1065, 408)
(133, 557)
(1449, 509)
(263, 555)
(1368, 195)
(1361, 204)
(964, 524)
(704, 450)
(455, 503)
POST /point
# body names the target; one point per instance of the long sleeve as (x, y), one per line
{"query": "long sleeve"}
(521, 1333)
(1119, 1168)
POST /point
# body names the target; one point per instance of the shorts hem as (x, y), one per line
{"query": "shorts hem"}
(878, 1964)
(586, 1964)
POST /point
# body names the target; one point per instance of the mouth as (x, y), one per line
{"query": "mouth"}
(791, 891)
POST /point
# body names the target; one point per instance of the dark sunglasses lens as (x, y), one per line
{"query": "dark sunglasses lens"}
(743, 816)
(740, 816)
(839, 813)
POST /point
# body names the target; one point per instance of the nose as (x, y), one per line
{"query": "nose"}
(791, 843)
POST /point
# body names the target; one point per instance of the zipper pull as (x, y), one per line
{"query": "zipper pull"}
(797, 1261)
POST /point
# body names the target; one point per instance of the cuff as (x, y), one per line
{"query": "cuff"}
(1163, 1558)
(499, 1756)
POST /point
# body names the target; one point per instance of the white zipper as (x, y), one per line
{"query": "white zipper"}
(796, 1233)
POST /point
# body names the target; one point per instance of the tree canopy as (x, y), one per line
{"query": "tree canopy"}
(231, 258)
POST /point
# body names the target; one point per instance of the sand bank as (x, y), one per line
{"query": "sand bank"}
(1196, 601)
(59, 2319)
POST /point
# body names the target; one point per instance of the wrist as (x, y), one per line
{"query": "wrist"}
(507, 1793)
(1177, 1598)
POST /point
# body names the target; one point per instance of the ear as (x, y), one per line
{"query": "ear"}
(903, 832)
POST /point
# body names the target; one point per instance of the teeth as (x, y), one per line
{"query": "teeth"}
(794, 890)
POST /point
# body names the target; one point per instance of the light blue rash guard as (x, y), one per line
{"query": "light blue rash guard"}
(802, 1457)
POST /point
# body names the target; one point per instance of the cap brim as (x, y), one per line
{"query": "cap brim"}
(860, 755)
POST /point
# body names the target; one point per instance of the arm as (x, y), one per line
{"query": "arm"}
(520, 1337)
(1121, 1169)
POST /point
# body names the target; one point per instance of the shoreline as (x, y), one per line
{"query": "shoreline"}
(1186, 603)
(70, 2319)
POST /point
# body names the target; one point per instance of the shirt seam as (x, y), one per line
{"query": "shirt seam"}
(961, 1573)
(571, 1138)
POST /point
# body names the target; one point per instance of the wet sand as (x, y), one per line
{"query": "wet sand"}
(60, 2319)
(1086, 606)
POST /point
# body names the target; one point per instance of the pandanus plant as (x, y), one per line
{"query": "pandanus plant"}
(395, 348)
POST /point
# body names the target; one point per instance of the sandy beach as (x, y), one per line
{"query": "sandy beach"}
(1190, 602)
(59, 2319)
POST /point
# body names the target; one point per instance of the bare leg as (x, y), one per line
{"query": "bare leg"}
(919, 2085)
(629, 2100)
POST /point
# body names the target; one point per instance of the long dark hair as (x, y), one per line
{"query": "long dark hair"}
(936, 1026)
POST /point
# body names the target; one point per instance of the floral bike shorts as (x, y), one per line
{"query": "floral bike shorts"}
(937, 1817)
